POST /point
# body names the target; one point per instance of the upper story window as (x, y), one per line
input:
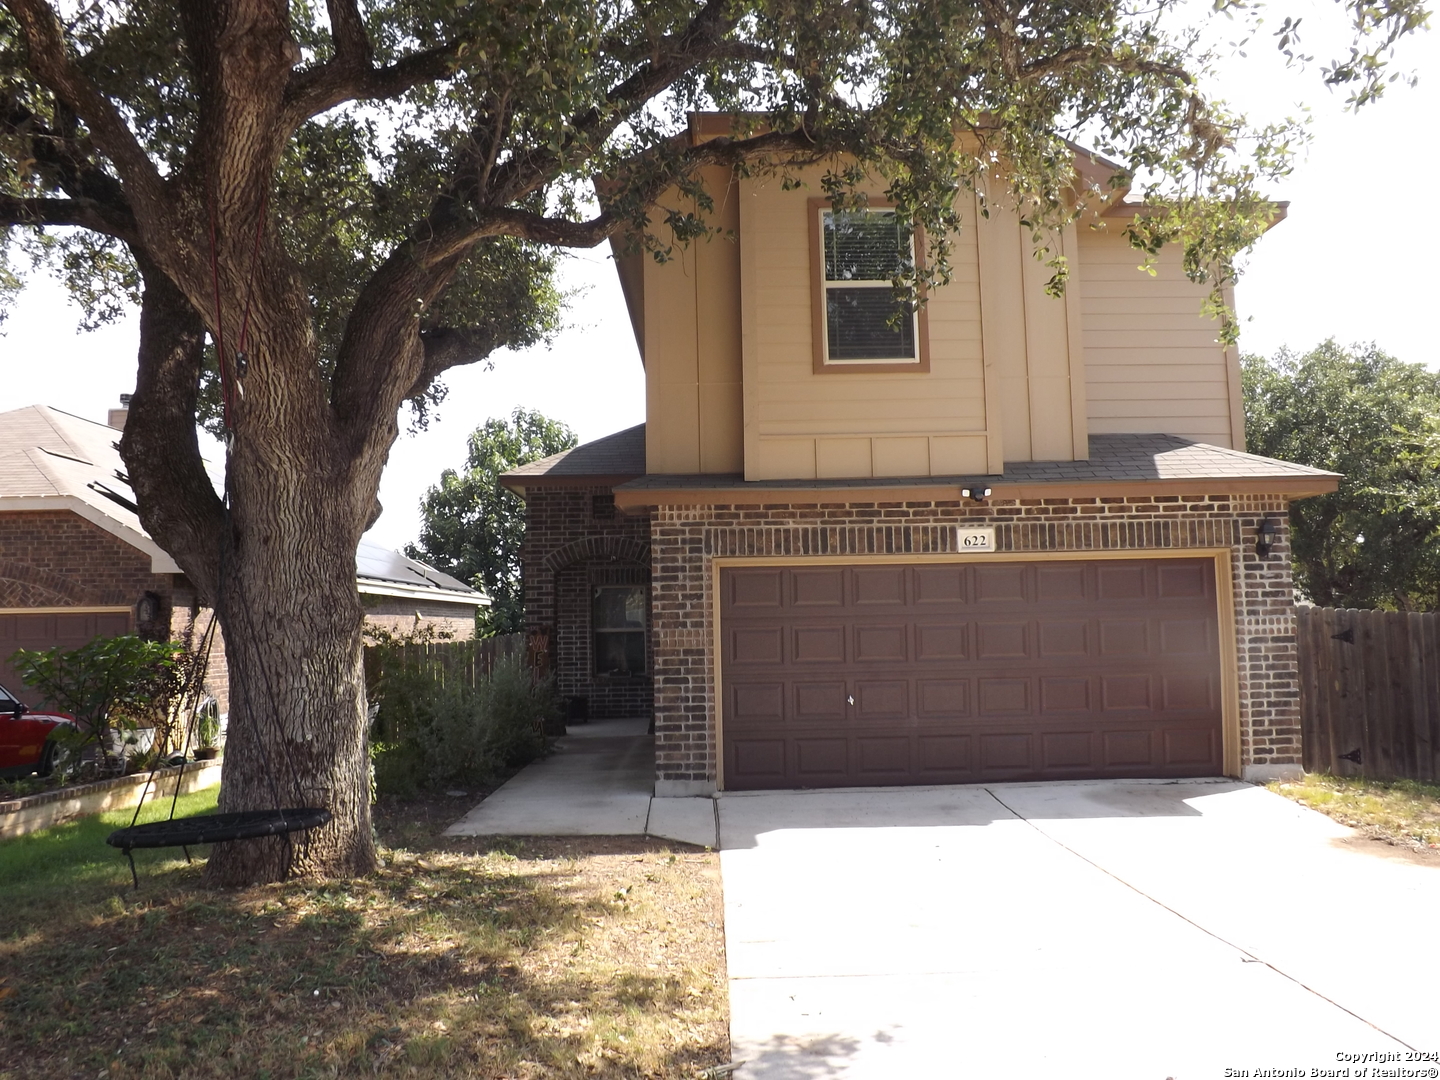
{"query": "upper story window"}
(859, 325)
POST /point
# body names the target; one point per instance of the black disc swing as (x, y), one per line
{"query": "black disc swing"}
(242, 824)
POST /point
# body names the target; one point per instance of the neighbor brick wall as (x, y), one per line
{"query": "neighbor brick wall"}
(55, 558)
(685, 540)
(569, 550)
(399, 615)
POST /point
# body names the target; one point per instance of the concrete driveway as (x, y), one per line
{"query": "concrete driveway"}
(1105, 929)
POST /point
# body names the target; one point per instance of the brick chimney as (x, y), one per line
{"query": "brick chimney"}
(117, 417)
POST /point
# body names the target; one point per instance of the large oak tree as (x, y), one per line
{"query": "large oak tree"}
(346, 200)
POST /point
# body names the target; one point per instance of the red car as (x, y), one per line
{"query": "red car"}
(26, 745)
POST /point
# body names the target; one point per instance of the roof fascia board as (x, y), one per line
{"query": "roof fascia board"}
(160, 560)
(377, 587)
(1292, 487)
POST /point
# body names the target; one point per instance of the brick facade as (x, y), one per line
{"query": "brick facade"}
(402, 615)
(575, 540)
(686, 539)
(55, 558)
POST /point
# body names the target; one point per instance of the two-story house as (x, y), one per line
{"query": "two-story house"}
(1007, 536)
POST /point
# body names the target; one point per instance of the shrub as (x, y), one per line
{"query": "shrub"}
(112, 686)
(432, 732)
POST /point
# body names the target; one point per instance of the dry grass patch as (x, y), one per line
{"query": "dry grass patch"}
(1404, 812)
(544, 958)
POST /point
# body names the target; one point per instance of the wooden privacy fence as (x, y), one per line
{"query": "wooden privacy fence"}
(1370, 692)
(447, 661)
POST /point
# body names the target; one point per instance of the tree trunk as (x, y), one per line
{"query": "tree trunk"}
(297, 729)
(279, 567)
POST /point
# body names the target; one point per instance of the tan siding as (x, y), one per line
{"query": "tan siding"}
(800, 424)
(692, 357)
(1152, 362)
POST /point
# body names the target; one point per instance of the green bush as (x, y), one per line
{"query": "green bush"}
(431, 733)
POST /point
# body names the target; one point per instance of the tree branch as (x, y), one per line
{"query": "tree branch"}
(347, 30)
(317, 89)
(178, 505)
(447, 347)
(701, 41)
(445, 243)
(82, 213)
(51, 64)
(1046, 65)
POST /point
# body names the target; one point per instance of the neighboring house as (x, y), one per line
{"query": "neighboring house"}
(1010, 537)
(76, 562)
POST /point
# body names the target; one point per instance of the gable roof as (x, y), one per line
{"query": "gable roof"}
(612, 459)
(53, 460)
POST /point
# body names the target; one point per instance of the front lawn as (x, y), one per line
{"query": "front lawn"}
(516, 959)
(1400, 811)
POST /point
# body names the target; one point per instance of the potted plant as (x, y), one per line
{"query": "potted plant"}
(207, 732)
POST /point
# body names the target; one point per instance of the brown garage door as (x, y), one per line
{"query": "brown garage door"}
(43, 630)
(968, 672)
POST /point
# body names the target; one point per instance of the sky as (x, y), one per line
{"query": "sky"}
(1351, 261)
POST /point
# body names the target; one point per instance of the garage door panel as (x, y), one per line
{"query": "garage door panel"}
(886, 700)
(819, 645)
(1128, 749)
(1010, 753)
(756, 762)
(881, 757)
(820, 701)
(1121, 581)
(821, 758)
(966, 672)
(942, 641)
(1067, 750)
(943, 697)
(881, 643)
(940, 584)
(1000, 583)
(1004, 696)
(1189, 746)
(757, 645)
(1063, 638)
(1189, 692)
(944, 754)
(1183, 582)
(1185, 637)
(1130, 637)
(1003, 640)
(819, 588)
(755, 588)
(1062, 582)
(1119, 693)
(760, 702)
(1065, 693)
(879, 585)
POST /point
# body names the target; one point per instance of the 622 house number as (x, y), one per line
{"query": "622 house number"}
(975, 539)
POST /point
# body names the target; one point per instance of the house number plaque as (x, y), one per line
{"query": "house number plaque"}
(974, 539)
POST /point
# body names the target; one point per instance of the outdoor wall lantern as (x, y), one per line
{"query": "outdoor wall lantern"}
(1265, 537)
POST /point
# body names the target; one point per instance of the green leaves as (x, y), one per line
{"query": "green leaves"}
(1376, 541)
(473, 527)
(105, 684)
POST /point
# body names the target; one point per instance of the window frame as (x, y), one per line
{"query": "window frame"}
(642, 630)
(822, 365)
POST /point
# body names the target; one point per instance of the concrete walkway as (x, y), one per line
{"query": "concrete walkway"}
(1099, 929)
(598, 782)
